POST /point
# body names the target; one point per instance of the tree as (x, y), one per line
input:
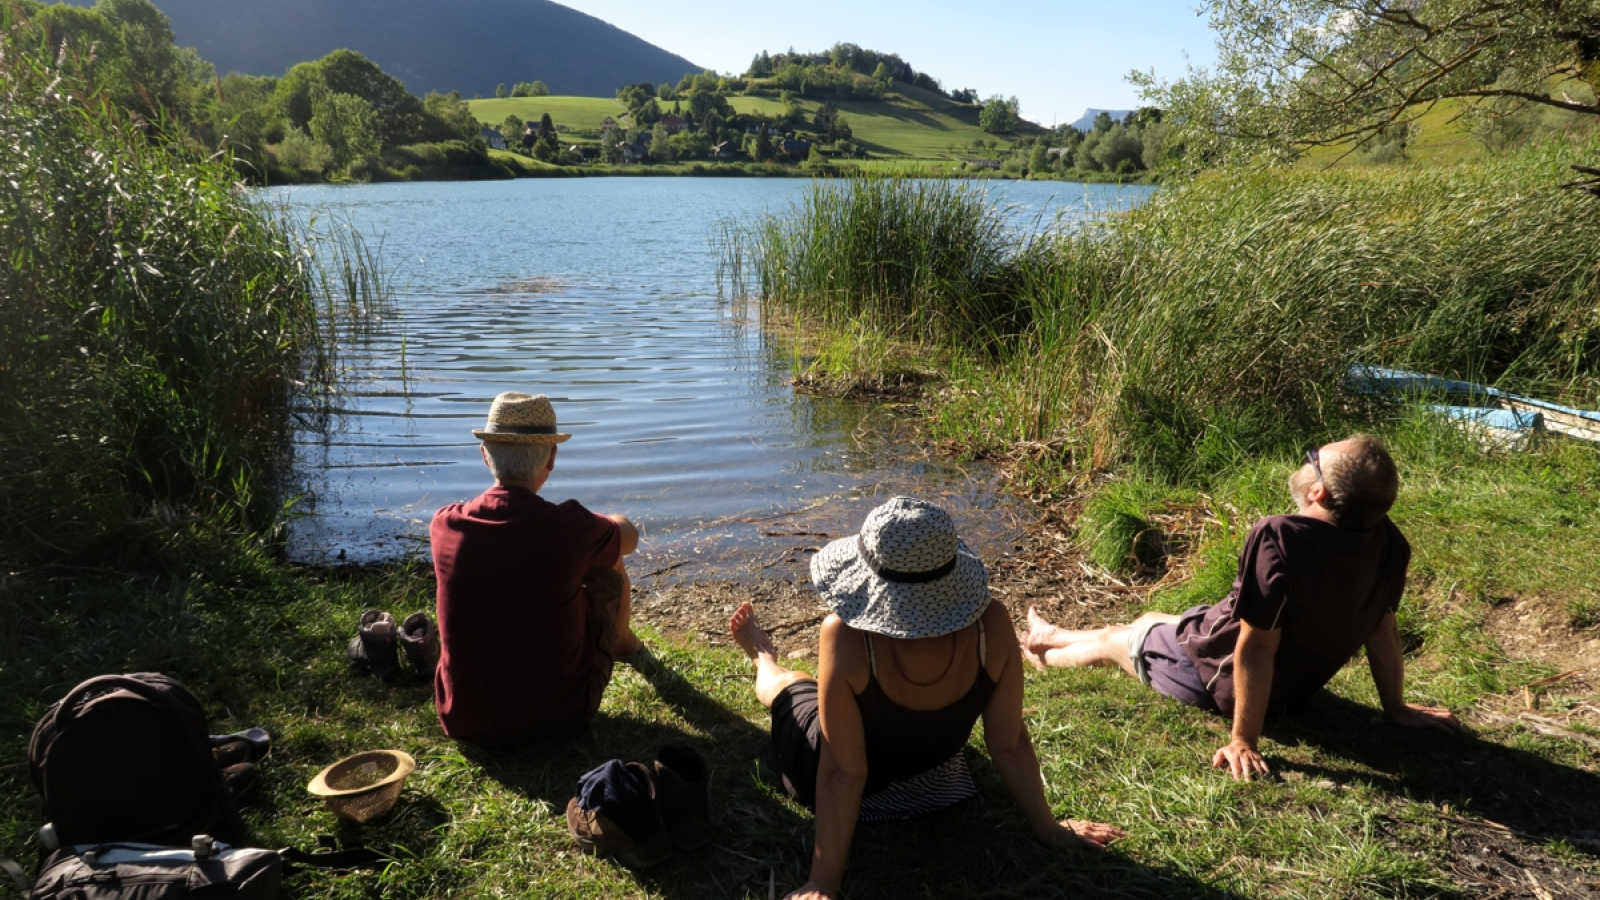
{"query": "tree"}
(538, 89)
(549, 138)
(761, 149)
(825, 120)
(511, 129)
(1293, 74)
(346, 124)
(453, 113)
(999, 115)
(661, 143)
(1038, 159)
(500, 90)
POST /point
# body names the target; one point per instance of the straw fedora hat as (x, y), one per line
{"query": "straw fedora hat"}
(906, 575)
(516, 418)
(365, 785)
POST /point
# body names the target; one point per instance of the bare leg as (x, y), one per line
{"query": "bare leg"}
(771, 677)
(1046, 645)
(628, 643)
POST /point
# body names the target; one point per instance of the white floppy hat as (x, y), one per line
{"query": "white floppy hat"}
(906, 575)
(516, 418)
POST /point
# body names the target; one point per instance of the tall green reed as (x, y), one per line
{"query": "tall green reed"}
(156, 326)
(1220, 320)
(921, 259)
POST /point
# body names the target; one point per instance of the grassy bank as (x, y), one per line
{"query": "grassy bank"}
(1215, 324)
(1357, 810)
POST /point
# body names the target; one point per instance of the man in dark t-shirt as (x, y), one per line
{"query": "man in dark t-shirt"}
(533, 598)
(1312, 589)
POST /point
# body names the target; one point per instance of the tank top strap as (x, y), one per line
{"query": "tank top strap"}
(872, 657)
(983, 648)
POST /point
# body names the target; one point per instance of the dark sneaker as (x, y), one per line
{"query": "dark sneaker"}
(260, 741)
(683, 789)
(615, 813)
(250, 745)
(373, 647)
(241, 779)
(420, 640)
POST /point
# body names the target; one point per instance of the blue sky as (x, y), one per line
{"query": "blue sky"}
(1057, 58)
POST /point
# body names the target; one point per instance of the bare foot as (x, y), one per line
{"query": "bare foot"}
(1043, 636)
(1036, 658)
(748, 633)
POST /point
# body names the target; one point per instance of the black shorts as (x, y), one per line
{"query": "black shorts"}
(797, 739)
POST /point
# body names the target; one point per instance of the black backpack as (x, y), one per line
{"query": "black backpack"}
(128, 758)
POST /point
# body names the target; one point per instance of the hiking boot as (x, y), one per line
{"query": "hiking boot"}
(373, 647)
(615, 813)
(260, 741)
(420, 640)
(241, 779)
(683, 790)
(233, 752)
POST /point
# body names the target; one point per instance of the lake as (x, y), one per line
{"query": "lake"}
(602, 293)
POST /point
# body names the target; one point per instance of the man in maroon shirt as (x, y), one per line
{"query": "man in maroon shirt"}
(1313, 588)
(533, 599)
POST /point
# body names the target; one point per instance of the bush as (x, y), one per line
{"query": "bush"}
(154, 324)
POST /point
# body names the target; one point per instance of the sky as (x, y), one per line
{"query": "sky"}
(1057, 58)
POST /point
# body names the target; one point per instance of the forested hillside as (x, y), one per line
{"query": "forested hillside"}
(469, 46)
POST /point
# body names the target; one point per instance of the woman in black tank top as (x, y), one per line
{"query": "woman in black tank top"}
(914, 653)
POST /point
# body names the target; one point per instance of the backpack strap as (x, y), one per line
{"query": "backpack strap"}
(24, 889)
(354, 858)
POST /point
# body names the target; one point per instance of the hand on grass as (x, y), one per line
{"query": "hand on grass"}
(1241, 760)
(1435, 717)
(1076, 834)
(813, 890)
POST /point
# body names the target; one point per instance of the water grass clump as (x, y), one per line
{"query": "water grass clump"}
(924, 259)
(1218, 322)
(156, 328)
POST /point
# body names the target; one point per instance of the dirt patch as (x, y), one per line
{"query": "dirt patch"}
(1540, 629)
(1044, 569)
(1492, 863)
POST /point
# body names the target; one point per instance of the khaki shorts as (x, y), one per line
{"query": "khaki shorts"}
(1136, 639)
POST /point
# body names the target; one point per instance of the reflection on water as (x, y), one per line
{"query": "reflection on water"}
(601, 294)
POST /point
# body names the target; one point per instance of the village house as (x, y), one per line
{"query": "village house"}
(674, 123)
(492, 137)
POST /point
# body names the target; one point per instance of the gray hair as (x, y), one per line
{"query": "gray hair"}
(516, 463)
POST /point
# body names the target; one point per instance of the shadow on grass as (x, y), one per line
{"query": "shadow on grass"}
(1536, 797)
(978, 849)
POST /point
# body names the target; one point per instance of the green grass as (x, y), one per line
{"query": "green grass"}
(577, 113)
(914, 125)
(1356, 810)
(1444, 134)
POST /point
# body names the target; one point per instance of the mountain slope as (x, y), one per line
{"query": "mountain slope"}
(465, 45)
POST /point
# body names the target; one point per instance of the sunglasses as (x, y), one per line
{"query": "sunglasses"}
(1314, 457)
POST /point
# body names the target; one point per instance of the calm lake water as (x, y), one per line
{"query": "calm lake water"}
(602, 294)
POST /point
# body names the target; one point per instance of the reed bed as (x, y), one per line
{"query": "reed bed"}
(156, 328)
(929, 260)
(1219, 321)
